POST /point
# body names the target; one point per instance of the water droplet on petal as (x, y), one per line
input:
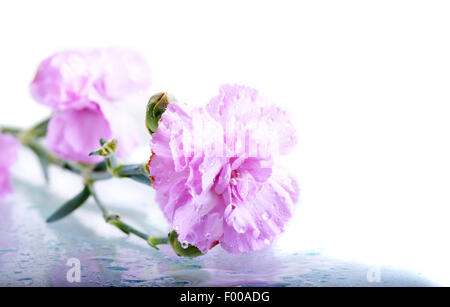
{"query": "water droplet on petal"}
(265, 216)
(266, 241)
(233, 181)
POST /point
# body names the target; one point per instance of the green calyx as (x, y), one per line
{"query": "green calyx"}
(183, 250)
(155, 108)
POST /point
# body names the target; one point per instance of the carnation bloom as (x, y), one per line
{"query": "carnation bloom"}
(215, 174)
(66, 77)
(8, 156)
(75, 132)
(82, 88)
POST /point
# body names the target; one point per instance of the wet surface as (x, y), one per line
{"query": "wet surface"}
(33, 253)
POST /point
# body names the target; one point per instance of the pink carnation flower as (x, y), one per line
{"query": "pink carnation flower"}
(215, 175)
(66, 77)
(8, 156)
(82, 88)
(75, 132)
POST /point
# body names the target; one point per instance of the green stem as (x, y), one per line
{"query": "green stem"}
(90, 173)
(115, 220)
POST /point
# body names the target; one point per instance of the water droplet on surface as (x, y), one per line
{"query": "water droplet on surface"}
(266, 241)
(265, 216)
(233, 181)
(185, 244)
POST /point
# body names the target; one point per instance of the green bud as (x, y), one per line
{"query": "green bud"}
(155, 108)
(107, 150)
(183, 251)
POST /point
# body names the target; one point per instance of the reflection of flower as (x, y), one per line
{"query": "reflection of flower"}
(214, 172)
(8, 156)
(81, 88)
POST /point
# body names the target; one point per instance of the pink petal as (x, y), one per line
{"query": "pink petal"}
(74, 133)
(9, 147)
(5, 183)
(62, 79)
(122, 73)
(253, 224)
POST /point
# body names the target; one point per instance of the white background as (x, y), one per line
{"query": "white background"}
(366, 83)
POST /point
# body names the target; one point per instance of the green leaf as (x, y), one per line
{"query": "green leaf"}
(42, 157)
(70, 206)
(136, 172)
(183, 251)
(43, 161)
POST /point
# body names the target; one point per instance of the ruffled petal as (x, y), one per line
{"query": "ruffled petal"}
(199, 221)
(63, 79)
(74, 133)
(67, 77)
(254, 224)
(121, 73)
(260, 128)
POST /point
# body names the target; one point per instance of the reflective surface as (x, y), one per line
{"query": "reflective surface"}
(33, 253)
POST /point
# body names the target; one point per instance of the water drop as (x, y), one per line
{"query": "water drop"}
(266, 241)
(185, 244)
(233, 181)
(265, 216)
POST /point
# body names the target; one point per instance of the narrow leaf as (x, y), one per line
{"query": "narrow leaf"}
(70, 206)
(40, 129)
(44, 165)
(136, 172)
(43, 159)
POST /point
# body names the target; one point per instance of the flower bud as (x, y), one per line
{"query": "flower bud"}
(183, 249)
(107, 150)
(155, 108)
